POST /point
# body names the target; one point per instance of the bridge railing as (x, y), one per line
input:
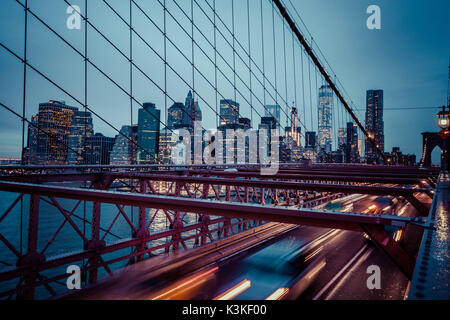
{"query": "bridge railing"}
(99, 240)
(66, 228)
(431, 275)
(192, 211)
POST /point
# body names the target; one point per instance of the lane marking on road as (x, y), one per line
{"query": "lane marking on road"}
(337, 275)
(349, 272)
(405, 297)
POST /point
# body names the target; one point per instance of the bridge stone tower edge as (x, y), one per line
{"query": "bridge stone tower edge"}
(430, 141)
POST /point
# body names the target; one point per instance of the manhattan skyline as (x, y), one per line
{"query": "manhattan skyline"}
(409, 63)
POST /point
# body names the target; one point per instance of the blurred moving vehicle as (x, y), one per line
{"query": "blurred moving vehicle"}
(339, 206)
(386, 206)
(282, 270)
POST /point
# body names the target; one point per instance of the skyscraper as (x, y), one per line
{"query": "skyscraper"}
(342, 137)
(229, 112)
(293, 130)
(80, 129)
(54, 122)
(175, 116)
(360, 143)
(268, 124)
(274, 111)
(352, 151)
(198, 112)
(374, 124)
(148, 134)
(165, 146)
(124, 149)
(245, 123)
(310, 140)
(32, 140)
(310, 151)
(192, 111)
(325, 117)
(98, 149)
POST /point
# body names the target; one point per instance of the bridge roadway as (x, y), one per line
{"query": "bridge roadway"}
(268, 267)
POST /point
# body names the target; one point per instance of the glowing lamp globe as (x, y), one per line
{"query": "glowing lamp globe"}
(444, 119)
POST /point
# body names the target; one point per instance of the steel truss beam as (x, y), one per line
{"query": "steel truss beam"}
(313, 176)
(348, 221)
(39, 169)
(263, 182)
(275, 184)
(282, 175)
(372, 224)
(360, 172)
(385, 242)
(408, 193)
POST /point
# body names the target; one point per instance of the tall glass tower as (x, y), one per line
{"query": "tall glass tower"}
(124, 149)
(374, 124)
(175, 116)
(229, 112)
(325, 117)
(54, 120)
(352, 152)
(98, 149)
(148, 134)
(192, 111)
(342, 137)
(274, 111)
(80, 130)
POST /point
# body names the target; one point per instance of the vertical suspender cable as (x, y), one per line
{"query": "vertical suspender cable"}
(249, 61)
(295, 74)
(215, 62)
(131, 65)
(234, 50)
(310, 95)
(274, 57)
(316, 98)
(23, 112)
(192, 51)
(303, 88)
(165, 81)
(131, 88)
(263, 62)
(85, 110)
(285, 74)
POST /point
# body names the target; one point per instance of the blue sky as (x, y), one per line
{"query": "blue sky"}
(408, 58)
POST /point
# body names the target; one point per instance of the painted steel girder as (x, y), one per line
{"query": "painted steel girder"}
(318, 168)
(372, 224)
(408, 193)
(95, 253)
(364, 189)
(295, 176)
(349, 221)
(385, 242)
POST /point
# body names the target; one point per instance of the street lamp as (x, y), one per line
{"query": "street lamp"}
(444, 124)
(444, 119)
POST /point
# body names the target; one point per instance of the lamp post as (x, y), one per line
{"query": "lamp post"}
(444, 124)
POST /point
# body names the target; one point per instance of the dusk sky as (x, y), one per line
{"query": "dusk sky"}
(408, 58)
